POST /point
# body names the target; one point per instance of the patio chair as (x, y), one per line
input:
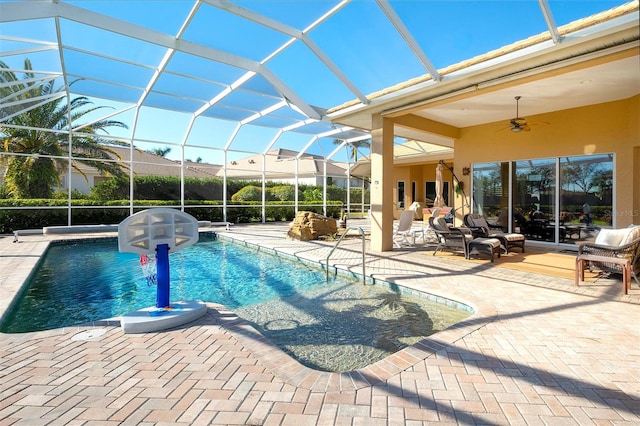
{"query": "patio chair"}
(453, 239)
(427, 232)
(405, 229)
(623, 245)
(481, 228)
(540, 228)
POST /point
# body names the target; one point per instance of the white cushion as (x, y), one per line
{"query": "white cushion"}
(634, 232)
(513, 237)
(493, 242)
(612, 237)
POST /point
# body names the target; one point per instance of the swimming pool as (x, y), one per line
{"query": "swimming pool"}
(325, 325)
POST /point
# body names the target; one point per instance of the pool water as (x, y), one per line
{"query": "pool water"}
(338, 325)
(344, 327)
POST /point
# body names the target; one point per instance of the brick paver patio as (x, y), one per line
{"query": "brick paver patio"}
(537, 351)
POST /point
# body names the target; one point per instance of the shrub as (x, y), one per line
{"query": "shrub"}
(312, 194)
(335, 193)
(283, 192)
(110, 189)
(63, 194)
(248, 193)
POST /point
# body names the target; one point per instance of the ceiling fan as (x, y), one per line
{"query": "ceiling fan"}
(520, 124)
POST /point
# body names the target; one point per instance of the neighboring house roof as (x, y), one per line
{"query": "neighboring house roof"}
(149, 164)
(281, 164)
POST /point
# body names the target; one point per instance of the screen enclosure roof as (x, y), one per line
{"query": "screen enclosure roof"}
(221, 80)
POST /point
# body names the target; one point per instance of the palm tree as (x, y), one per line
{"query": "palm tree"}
(38, 156)
(161, 152)
(353, 147)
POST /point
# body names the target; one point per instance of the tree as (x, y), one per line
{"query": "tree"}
(353, 147)
(37, 137)
(160, 152)
(582, 175)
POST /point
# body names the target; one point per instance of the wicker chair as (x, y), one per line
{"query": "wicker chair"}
(621, 243)
(454, 239)
(481, 228)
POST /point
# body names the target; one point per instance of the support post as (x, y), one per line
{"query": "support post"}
(162, 270)
(382, 183)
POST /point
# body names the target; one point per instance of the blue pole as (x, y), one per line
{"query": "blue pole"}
(162, 270)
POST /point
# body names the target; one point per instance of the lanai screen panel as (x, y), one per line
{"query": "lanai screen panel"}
(237, 60)
(217, 81)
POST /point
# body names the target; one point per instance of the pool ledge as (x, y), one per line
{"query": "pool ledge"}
(155, 319)
(292, 372)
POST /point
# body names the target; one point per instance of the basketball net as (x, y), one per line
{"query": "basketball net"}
(148, 265)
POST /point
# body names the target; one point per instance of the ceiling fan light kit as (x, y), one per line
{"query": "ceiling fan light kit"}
(520, 124)
(517, 123)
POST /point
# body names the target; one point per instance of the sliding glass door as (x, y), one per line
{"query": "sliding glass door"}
(586, 194)
(534, 198)
(560, 200)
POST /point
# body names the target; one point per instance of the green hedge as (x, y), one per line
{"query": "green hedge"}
(152, 191)
(42, 212)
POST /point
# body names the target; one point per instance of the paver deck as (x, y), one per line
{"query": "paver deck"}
(538, 350)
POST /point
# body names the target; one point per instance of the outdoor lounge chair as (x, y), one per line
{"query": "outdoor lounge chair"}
(481, 228)
(453, 239)
(622, 244)
(405, 229)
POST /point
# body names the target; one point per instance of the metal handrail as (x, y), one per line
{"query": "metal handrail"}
(363, 250)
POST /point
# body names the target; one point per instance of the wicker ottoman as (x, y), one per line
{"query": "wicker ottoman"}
(489, 246)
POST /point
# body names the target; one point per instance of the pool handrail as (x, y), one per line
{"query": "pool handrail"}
(346, 231)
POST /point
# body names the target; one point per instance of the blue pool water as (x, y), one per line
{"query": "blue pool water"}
(82, 282)
(340, 325)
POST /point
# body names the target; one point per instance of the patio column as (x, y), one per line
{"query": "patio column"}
(381, 183)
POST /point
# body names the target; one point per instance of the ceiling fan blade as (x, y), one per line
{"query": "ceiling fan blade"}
(538, 123)
(519, 124)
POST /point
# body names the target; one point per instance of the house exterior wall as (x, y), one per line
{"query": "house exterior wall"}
(78, 182)
(612, 127)
(418, 173)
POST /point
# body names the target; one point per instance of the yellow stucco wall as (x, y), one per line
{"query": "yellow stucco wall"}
(419, 174)
(612, 127)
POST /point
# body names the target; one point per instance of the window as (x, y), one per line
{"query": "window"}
(430, 193)
(549, 197)
(400, 192)
(586, 191)
(414, 196)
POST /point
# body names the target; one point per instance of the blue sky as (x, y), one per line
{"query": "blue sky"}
(358, 39)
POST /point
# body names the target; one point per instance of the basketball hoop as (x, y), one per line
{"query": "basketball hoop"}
(148, 265)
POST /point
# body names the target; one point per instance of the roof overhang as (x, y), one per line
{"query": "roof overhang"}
(604, 54)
